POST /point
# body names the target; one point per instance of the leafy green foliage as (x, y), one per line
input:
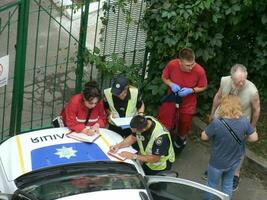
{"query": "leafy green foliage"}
(112, 65)
(221, 33)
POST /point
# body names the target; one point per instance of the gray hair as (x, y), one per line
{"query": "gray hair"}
(240, 68)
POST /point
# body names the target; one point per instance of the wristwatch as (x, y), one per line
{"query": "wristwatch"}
(134, 157)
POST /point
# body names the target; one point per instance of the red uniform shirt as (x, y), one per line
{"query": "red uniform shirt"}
(75, 112)
(195, 78)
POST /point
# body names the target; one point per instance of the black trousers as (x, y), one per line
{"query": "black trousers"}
(123, 132)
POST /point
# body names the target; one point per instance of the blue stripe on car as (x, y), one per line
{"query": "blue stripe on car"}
(66, 153)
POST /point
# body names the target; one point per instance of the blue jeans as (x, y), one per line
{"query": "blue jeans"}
(226, 176)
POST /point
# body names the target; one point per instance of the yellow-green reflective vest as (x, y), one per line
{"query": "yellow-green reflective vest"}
(131, 106)
(158, 131)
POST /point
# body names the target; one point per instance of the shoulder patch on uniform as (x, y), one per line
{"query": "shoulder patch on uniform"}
(159, 141)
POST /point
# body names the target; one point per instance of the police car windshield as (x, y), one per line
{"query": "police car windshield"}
(75, 180)
(71, 185)
(97, 167)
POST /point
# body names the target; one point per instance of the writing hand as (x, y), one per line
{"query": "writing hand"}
(114, 148)
(95, 127)
(90, 132)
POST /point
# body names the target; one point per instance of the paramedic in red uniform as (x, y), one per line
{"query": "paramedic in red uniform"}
(85, 111)
(185, 78)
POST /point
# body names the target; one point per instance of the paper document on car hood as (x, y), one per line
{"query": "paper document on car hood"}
(117, 154)
(83, 137)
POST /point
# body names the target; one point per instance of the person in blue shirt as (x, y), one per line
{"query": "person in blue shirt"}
(228, 134)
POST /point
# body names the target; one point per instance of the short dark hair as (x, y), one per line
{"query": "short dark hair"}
(187, 54)
(139, 122)
(91, 91)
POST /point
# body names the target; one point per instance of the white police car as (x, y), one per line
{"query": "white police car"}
(47, 165)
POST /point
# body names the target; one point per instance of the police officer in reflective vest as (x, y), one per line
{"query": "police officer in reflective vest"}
(122, 100)
(155, 144)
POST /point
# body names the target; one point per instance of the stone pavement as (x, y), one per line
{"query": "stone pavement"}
(193, 161)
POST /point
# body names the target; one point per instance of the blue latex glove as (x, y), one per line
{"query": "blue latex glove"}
(175, 87)
(185, 91)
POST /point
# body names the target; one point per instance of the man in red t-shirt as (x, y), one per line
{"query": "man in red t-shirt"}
(185, 78)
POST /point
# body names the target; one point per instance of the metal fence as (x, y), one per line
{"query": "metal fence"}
(9, 26)
(45, 40)
(124, 38)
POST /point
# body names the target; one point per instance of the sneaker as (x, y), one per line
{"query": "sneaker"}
(236, 181)
(205, 175)
(179, 145)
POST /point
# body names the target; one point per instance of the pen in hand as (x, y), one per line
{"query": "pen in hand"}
(114, 148)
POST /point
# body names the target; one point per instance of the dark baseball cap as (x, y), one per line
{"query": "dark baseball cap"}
(119, 84)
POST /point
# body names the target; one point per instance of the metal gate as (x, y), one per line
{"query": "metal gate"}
(13, 16)
(45, 41)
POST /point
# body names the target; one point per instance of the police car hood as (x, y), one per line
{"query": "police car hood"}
(51, 147)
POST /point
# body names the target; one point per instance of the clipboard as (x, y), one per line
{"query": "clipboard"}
(117, 156)
(82, 137)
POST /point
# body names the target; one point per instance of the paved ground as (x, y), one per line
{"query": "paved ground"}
(193, 161)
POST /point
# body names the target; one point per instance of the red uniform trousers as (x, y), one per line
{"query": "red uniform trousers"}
(177, 123)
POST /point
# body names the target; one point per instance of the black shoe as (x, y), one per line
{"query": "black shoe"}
(179, 145)
(236, 181)
(205, 175)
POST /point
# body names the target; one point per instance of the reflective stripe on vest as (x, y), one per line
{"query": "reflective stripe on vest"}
(131, 106)
(157, 132)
